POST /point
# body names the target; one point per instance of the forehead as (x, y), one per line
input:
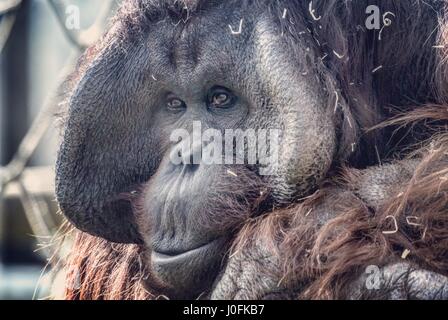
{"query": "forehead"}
(230, 44)
(219, 37)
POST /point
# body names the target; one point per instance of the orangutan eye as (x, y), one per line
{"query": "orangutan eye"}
(221, 98)
(175, 104)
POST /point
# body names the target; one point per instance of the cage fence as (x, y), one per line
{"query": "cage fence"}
(17, 177)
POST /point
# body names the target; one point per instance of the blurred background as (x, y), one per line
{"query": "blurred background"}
(40, 41)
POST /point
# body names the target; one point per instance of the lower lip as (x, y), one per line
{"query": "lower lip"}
(163, 259)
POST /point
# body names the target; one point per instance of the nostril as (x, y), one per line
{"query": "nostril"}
(190, 162)
(186, 154)
(187, 159)
(192, 167)
(192, 156)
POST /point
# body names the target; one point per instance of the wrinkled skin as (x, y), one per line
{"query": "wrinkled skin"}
(115, 177)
